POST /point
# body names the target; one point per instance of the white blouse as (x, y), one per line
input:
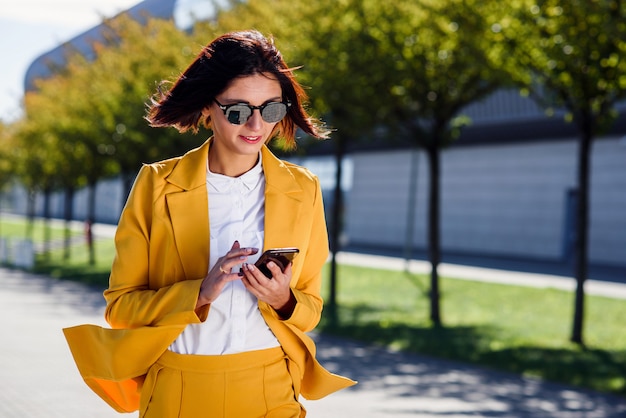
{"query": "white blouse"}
(234, 323)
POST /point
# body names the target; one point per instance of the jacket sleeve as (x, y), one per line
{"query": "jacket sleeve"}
(308, 310)
(132, 299)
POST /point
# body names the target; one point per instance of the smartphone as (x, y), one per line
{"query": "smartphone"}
(281, 256)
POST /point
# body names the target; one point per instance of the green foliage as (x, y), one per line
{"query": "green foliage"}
(35, 153)
(127, 71)
(568, 54)
(438, 65)
(6, 162)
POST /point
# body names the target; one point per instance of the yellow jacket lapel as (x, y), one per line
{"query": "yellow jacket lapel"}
(283, 200)
(187, 206)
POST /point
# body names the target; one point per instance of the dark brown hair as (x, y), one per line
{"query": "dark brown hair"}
(236, 54)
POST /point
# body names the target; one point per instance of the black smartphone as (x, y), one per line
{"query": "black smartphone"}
(281, 256)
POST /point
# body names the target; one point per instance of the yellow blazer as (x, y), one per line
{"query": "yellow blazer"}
(162, 255)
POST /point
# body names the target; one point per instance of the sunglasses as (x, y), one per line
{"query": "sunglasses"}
(239, 113)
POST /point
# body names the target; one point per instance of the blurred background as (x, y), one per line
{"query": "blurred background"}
(478, 133)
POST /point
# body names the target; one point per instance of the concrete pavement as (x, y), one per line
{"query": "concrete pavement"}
(39, 379)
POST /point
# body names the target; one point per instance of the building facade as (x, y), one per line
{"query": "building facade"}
(508, 189)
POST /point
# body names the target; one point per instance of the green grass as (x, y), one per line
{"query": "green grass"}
(78, 268)
(15, 228)
(517, 329)
(54, 262)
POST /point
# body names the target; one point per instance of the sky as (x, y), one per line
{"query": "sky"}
(29, 28)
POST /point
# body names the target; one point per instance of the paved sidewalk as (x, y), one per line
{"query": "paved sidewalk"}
(39, 379)
(611, 289)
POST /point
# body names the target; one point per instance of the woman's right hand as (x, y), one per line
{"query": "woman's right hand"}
(221, 273)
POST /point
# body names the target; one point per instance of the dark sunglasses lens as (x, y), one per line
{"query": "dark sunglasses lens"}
(274, 112)
(238, 114)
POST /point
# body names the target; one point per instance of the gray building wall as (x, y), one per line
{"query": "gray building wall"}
(109, 202)
(502, 199)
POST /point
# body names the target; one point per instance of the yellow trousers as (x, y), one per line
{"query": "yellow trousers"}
(246, 385)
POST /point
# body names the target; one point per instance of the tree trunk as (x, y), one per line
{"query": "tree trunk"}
(91, 218)
(433, 230)
(30, 214)
(46, 222)
(68, 215)
(336, 227)
(582, 223)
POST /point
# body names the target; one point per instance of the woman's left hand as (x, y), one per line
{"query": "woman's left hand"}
(275, 291)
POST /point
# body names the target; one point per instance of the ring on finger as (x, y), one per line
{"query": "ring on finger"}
(224, 271)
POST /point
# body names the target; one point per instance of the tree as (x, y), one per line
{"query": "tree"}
(52, 154)
(128, 66)
(570, 55)
(94, 106)
(81, 125)
(31, 154)
(436, 65)
(6, 162)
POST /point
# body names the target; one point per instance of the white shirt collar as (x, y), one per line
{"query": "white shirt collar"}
(249, 179)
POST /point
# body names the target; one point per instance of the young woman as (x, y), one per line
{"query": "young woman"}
(197, 329)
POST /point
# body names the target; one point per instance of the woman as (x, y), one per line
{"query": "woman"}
(197, 329)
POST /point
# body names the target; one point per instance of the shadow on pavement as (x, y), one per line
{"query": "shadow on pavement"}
(413, 385)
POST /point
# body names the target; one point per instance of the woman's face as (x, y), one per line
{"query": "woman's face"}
(245, 140)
